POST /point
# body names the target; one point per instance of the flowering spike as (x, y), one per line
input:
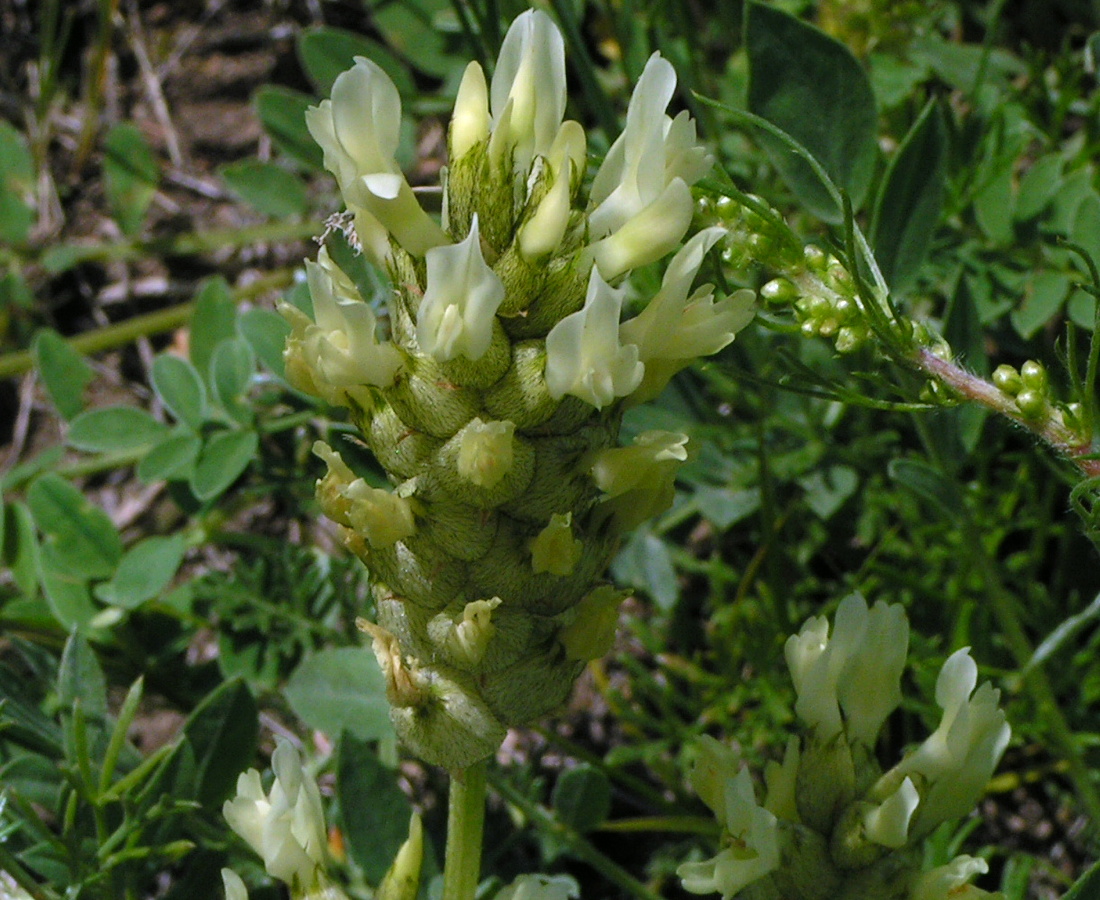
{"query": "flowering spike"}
(583, 354)
(459, 307)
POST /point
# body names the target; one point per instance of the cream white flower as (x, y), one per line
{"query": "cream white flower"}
(380, 516)
(887, 823)
(541, 887)
(341, 347)
(652, 163)
(358, 129)
(460, 301)
(286, 827)
(639, 480)
(234, 886)
(485, 454)
(954, 764)
(675, 328)
(952, 882)
(583, 354)
(527, 92)
(751, 832)
(865, 654)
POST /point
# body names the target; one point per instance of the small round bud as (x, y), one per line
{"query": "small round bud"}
(1008, 380)
(815, 258)
(779, 290)
(847, 340)
(1032, 404)
(727, 208)
(1034, 376)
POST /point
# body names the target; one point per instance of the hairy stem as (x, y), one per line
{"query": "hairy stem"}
(465, 826)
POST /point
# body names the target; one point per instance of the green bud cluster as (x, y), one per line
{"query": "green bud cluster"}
(1029, 388)
(495, 402)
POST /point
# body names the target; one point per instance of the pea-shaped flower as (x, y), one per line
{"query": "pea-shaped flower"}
(459, 307)
(583, 354)
(286, 827)
(358, 130)
(527, 93)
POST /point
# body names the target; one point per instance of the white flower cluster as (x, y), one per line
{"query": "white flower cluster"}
(832, 820)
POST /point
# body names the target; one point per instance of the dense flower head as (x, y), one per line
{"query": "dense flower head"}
(842, 828)
(492, 388)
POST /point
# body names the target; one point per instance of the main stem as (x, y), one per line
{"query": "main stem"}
(465, 826)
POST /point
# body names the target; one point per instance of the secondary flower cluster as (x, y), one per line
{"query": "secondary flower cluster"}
(495, 401)
(833, 825)
(286, 828)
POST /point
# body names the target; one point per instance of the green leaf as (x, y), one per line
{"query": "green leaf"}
(828, 489)
(63, 371)
(374, 812)
(173, 458)
(1086, 225)
(222, 461)
(179, 385)
(131, 174)
(282, 112)
(223, 731)
(145, 571)
(582, 798)
(910, 202)
(271, 189)
(231, 371)
(20, 547)
(1039, 186)
(326, 52)
(1044, 294)
(1087, 887)
(16, 186)
(214, 320)
(724, 507)
(80, 677)
(68, 596)
(813, 88)
(645, 563)
(266, 333)
(115, 428)
(341, 690)
(928, 484)
(412, 27)
(83, 536)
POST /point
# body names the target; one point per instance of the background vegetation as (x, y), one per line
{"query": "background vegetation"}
(170, 600)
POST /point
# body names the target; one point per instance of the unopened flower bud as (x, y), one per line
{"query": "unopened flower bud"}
(1034, 376)
(402, 880)
(470, 120)
(952, 882)
(639, 480)
(1008, 380)
(888, 823)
